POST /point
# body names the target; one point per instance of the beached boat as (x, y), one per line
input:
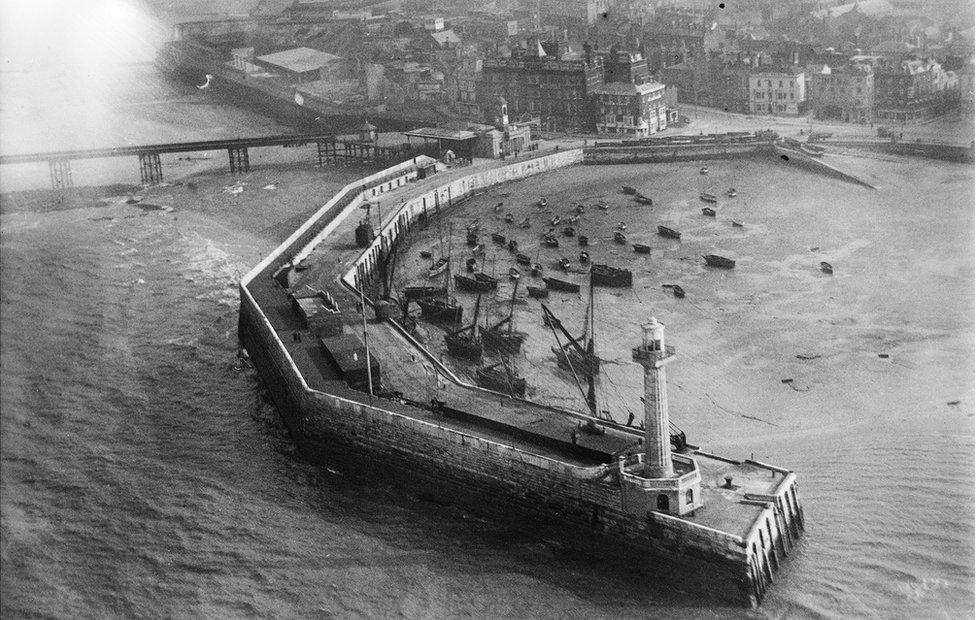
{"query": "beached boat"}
(580, 208)
(642, 248)
(621, 226)
(498, 207)
(555, 220)
(428, 254)
(509, 218)
(703, 170)
(563, 263)
(603, 205)
(619, 237)
(583, 241)
(561, 285)
(536, 270)
(714, 260)
(671, 233)
(411, 293)
(710, 212)
(438, 268)
(605, 275)
(441, 310)
(470, 264)
(478, 250)
(502, 336)
(522, 259)
(550, 241)
(480, 283)
(538, 292)
(498, 239)
(471, 239)
(577, 355)
(501, 377)
(465, 342)
(543, 202)
(514, 274)
(512, 245)
(525, 223)
(584, 257)
(569, 231)
(706, 197)
(737, 224)
(627, 189)
(678, 291)
(642, 199)
(731, 193)
(826, 267)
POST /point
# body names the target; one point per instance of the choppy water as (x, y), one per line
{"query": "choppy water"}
(143, 473)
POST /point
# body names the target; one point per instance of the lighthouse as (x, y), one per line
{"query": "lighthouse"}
(653, 356)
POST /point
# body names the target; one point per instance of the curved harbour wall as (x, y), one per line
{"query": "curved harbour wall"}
(397, 440)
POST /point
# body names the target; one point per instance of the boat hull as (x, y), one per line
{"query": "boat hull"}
(556, 284)
(670, 233)
(605, 275)
(713, 260)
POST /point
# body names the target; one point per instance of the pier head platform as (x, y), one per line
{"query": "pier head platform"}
(630, 493)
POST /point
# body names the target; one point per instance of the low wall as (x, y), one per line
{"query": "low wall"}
(658, 153)
(445, 195)
(930, 150)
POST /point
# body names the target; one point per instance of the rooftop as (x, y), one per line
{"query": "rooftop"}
(623, 88)
(441, 133)
(299, 59)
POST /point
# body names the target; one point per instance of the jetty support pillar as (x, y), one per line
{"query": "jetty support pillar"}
(150, 168)
(239, 161)
(60, 174)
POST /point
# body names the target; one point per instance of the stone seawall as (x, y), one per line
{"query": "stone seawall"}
(395, 440)
(648, 154)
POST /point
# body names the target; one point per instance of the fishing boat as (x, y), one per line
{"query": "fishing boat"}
(538, 292)
(440, 309)
(555, 220)
(470, 264)
(512, 245)
(522, 259)
(706, 197)
(583, 241)
(703, 170)
(502, 336)
(569, 231)
(621, 226)
(428, 254)
(498, 239)
(619, 237)
(731, 193)
(710, 212)
(574, 219)
(480, 283)
(411, 293)
(536, 269)
(525, 223)
(826, 267)
(714, 260)
(627, 189)
(572, 355)
(678, 291)
(561, 285)
(605, 275)
(642, 199)
(550, 241)
(543, 202)
(438, 268)
(584, 257)
(501, 377)
(514, 273)
(465, 342)
(603, 205)
(642, 248)
(563, 263)
(737, 224)
(671, 233)
(509, 218)
(580, 208)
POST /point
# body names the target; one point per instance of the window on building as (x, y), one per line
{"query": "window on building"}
(662, 502)
(690, 497)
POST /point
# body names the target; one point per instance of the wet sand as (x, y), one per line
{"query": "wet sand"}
(902, 287)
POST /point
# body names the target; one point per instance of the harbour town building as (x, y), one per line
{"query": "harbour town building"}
(633, 109)
(780, 93)
(844, 93)
(538, 85)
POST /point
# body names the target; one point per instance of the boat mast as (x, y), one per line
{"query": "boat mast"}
(369, 365)
(590, 352)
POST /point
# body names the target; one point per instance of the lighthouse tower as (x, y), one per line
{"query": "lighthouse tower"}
(651, 354)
